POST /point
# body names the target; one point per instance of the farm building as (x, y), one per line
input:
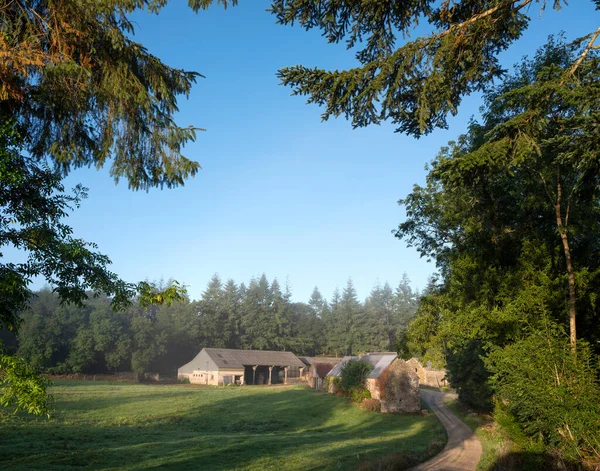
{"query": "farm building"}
(428, 376)
(316, 369)
(221, 366)
(392, 381)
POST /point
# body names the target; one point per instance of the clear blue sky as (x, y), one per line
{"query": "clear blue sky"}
(280, 192)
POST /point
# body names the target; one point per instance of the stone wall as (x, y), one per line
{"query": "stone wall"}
(428, 376)
(399, 388)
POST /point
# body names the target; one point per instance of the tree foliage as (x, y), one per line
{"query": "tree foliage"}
(76, 90)
(354, 374)
(418, 84)
(86, 92)
(510, 213)
(61, 338)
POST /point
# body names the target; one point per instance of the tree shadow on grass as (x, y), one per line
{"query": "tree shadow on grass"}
(254, 428)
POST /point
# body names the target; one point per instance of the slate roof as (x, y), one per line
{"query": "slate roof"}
(226, 358)
(337, 369)
(379, 361)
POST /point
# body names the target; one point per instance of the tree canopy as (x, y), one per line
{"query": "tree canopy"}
(511, 215)
(417, 85)
(76, 90)
(85, 92)
(142, 338)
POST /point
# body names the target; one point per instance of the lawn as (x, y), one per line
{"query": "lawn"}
(124, 426)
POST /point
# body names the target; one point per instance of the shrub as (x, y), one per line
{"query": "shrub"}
(358, 394)
(371, 404)
(468, 375)
(354, 374)
(551, 393)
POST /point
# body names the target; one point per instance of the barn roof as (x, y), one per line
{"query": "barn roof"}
(323, 369)
(226, 358)
(379, 362)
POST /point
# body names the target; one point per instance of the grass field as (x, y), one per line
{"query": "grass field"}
(123, 426)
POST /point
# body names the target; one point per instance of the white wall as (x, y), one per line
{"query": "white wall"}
(201, 362)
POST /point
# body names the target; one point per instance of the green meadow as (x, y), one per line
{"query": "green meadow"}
(124, 426)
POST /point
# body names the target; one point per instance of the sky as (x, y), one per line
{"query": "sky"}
(281, 192)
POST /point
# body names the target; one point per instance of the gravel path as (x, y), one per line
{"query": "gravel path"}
(463, 450)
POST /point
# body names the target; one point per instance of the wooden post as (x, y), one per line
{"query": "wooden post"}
(254, 374)
(270, 368)
(285, 374)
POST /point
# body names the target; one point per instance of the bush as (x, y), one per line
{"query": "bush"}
(551, 393)
(371, 404)
(468, 375)
(354, 374)
(358, 394)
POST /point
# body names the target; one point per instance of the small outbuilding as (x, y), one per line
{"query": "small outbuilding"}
(391, 380)
(317, 369)
(222, 366)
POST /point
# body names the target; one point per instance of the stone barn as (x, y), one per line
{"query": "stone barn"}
(222, 366)
(392, 381)
(428, 376)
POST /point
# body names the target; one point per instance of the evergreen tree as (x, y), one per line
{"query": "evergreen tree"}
(419, 83)
(213, 317)
(511, 213)
(380, 329)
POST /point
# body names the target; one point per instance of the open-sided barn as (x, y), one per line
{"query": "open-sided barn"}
(222, 366)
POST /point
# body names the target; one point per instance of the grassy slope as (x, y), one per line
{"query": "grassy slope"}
(124, 426)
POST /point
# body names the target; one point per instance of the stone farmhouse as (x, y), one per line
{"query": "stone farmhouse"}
(392, 381)
(222, 366)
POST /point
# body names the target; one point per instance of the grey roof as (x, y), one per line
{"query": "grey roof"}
(317, 360)
(337, 369)
(226, 358)
(379, 361)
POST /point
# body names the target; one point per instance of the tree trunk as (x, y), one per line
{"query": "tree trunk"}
(571, 273)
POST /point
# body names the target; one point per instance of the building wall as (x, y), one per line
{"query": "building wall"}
(201, 363)
(209, 377)
(231, 376)
(373, 387)
(435, 378)
(428, 376)
(399, 388)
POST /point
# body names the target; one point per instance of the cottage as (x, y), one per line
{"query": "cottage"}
(221, 366)
(391, 380)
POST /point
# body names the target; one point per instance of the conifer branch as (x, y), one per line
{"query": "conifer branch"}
(585, 52)
(482, 15)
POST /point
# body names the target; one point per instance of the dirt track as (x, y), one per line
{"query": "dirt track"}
(463, 450)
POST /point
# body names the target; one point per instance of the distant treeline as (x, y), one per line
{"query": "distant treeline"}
(95, 339)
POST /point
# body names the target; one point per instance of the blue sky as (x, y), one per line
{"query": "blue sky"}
(280, 192)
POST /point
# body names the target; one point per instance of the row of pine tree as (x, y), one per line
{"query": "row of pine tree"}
(260, 315)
